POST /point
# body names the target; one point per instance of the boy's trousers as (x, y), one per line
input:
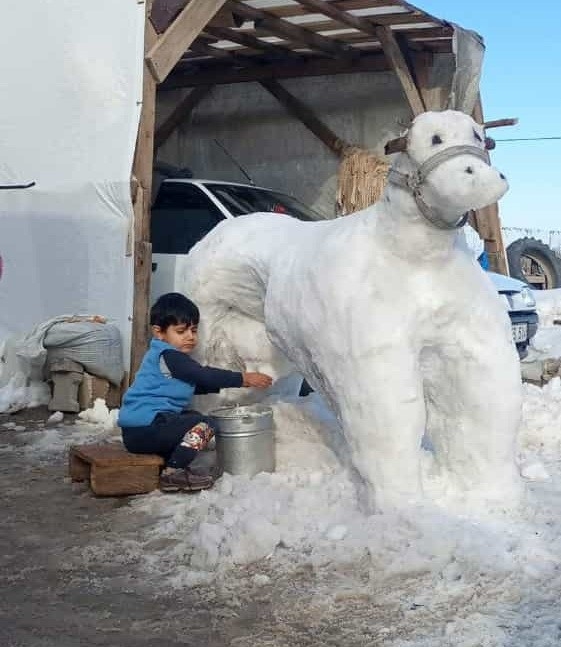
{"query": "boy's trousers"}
(177, 437)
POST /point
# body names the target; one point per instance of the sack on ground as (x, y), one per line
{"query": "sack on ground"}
(97, 346)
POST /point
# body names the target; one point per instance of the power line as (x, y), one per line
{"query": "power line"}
(526, 139)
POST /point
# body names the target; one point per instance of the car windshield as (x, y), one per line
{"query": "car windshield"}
(241, 200)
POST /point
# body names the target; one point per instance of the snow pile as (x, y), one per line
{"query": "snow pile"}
(540, 432)
(545, 348)
(548, 305)
(97, 424)
(19, 386)
(101, 415)
(55, 418)
(545, 345)
(309, 512)
(18, 394)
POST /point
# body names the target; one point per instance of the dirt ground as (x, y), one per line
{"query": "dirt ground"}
(49, 598)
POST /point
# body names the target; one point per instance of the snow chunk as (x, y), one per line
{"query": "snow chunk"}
(260, 580)
(55, 418)
(99, 414)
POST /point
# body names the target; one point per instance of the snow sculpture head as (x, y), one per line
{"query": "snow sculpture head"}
(386, 315)
(445, 166)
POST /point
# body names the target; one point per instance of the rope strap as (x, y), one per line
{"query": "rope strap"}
(413, 182)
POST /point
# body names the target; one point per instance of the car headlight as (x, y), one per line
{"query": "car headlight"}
(523, 300)
(528, 297)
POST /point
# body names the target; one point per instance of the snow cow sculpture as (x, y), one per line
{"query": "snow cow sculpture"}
(385, 314)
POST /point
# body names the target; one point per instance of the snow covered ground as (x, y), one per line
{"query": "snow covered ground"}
(461, 573)
(489, 578)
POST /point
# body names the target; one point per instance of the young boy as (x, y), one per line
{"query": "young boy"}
(155, 416)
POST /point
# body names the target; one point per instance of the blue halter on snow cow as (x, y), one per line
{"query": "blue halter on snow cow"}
(319, 298)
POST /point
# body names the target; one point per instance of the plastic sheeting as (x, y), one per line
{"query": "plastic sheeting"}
(71, 95)
(468, 49)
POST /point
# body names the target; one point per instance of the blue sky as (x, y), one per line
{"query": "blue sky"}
(521, 78)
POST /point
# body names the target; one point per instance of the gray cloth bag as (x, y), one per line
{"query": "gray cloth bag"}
(97, 346)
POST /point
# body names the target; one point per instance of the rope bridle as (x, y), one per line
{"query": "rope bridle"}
(413, 182)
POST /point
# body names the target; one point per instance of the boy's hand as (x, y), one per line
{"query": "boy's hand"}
(257, 380)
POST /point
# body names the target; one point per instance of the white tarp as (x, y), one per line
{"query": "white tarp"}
(71, 95)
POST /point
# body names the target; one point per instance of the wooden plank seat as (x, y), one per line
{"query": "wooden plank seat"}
(112, 470)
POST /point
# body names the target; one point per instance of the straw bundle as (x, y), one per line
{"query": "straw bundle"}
(361, 180)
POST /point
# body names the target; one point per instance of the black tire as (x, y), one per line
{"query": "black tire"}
(537, 251)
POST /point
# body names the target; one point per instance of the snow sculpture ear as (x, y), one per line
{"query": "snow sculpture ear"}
(396, 146)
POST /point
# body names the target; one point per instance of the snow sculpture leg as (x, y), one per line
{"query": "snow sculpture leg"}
(385, 428)
(474, 404)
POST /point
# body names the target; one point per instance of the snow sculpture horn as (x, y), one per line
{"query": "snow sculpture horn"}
(397, 145)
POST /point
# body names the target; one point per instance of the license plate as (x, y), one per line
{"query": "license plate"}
(519, 332)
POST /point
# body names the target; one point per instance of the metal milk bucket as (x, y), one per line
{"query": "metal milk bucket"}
(245, 441)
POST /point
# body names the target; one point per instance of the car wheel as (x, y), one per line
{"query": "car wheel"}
(533, 261)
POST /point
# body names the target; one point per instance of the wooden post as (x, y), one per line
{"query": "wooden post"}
(161, 53)
(488, 224)
(142, 174)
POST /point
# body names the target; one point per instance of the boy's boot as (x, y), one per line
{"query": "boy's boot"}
(183, 480)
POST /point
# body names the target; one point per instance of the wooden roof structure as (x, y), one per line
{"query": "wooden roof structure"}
(264, 39)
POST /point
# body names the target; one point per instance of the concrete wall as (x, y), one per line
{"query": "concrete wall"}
(277, 150)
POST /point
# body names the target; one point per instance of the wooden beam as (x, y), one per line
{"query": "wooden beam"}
(299, 110)
(177, 38)
(399, 64)
(434, 95)
(488, 222)
(411, 16)
(418, 33)
(288, 11)
(180, 113)
(509, 121)
(285, 29)
(201, 46)
(142, 180)
(164, 11)
(343, 17)
(250, 41)
(206, 48)
(317, 67)
(225, 18)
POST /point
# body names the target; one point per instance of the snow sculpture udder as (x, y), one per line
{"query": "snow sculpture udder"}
(385, 314)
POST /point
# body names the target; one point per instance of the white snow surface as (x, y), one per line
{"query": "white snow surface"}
(481, 574)
(20, 386)
(547, 342)
(480, 577)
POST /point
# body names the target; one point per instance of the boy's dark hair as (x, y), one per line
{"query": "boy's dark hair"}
(173, 309)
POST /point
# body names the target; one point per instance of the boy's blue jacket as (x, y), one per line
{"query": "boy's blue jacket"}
(152, 391)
